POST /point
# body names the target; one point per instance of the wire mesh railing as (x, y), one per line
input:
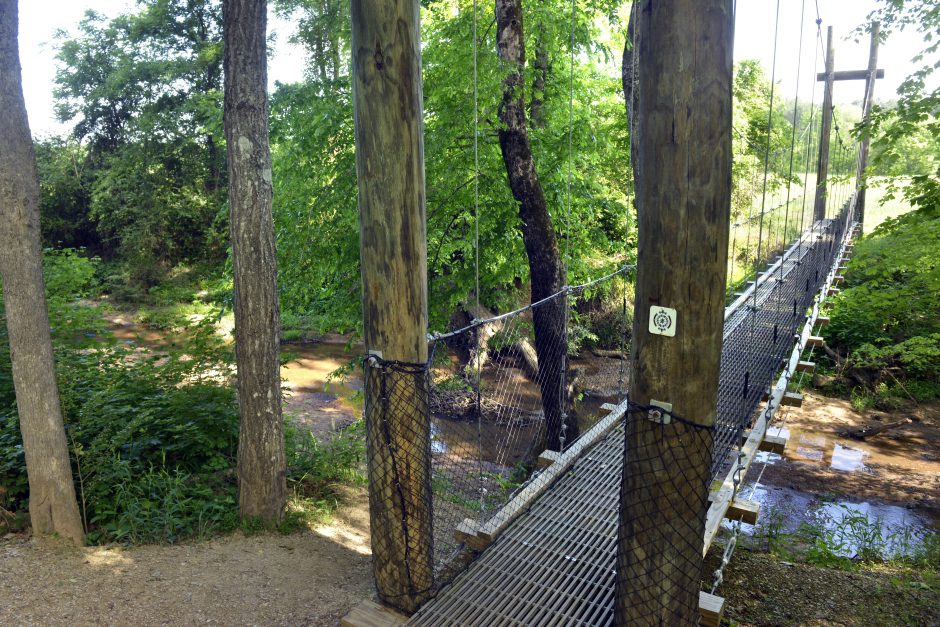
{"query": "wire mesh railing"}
(503, 413)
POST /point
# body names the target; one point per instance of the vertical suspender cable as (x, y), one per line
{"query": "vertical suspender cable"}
(476, 250)
(770, 122)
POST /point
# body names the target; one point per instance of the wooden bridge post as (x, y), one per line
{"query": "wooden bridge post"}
(388, 108)
(866, 112)
(683, 191)
(822, 164)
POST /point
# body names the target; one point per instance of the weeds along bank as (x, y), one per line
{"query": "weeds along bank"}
(152, 432)
(885, 330)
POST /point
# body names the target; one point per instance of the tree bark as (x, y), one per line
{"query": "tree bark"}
(261, 459)
(683, 163)
(629, 68)
(52, 504)
(389, 128)
(546, 271)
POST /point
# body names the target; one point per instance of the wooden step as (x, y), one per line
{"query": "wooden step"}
(822, 320)
(770, 444)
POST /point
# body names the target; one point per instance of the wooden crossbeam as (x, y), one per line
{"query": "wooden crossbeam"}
(372, 614)
(546, 459)
(789, 399)
(815, 341)
(822, 320)
(850, 75)
(743, 510)
(832, 291)
(712, 609)
(838, 279)
(806, 366)
(770, 443)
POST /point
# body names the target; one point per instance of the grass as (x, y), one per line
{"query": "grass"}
(848, 539)
(878, 208)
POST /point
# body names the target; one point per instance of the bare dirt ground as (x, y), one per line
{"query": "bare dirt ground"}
(900, 465)
(311, 578)
(761, 589)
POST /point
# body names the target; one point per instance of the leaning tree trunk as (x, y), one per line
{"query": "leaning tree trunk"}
(629, 70)
(52, 504)
(261, 459)
(546, 271)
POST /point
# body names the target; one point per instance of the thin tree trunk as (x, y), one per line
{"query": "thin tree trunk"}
(546, 271)
(537, 104)
(629, 69)
(261, 459)
(52, 504)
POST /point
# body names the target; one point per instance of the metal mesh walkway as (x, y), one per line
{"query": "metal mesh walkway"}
(555, 563)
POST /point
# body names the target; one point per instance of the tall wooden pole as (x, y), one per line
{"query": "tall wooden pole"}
(866, 112)
(683, 190)
(822, 164)
(388, 107)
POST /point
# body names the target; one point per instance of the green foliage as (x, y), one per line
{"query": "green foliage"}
(906, 136)
(65, 200)
(144, 92)
(892, 294)
(315, 467)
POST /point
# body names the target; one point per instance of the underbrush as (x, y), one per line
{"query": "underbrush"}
(153, 434)
(885, 324)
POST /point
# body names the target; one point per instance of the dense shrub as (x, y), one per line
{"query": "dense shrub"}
(888, 317)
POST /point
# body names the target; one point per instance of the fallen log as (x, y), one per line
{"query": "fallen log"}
(872, 430)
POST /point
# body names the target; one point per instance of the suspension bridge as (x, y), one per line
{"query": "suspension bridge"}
(487, 510)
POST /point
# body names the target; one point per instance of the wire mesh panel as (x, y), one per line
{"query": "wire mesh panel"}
(665, 483)
(501, 397)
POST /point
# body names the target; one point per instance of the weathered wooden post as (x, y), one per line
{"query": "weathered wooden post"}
(861, 181)
(822, 163)
(683, 190)
(387, 96)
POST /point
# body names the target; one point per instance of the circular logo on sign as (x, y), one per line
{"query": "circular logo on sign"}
(662, 320)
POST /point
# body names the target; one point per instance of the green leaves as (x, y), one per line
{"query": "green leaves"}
(888, 317)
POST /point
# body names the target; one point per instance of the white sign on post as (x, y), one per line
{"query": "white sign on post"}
(662, 321)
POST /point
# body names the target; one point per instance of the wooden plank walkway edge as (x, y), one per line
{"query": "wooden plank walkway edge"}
(478, 536)
(723, 496)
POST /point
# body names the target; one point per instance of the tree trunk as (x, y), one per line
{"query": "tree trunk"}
(683, 160)
(546, 272)
(628, 75)
(388, 113)
(261, 460)
(52, 504)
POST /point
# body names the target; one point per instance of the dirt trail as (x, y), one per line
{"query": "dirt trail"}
(312, 578)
